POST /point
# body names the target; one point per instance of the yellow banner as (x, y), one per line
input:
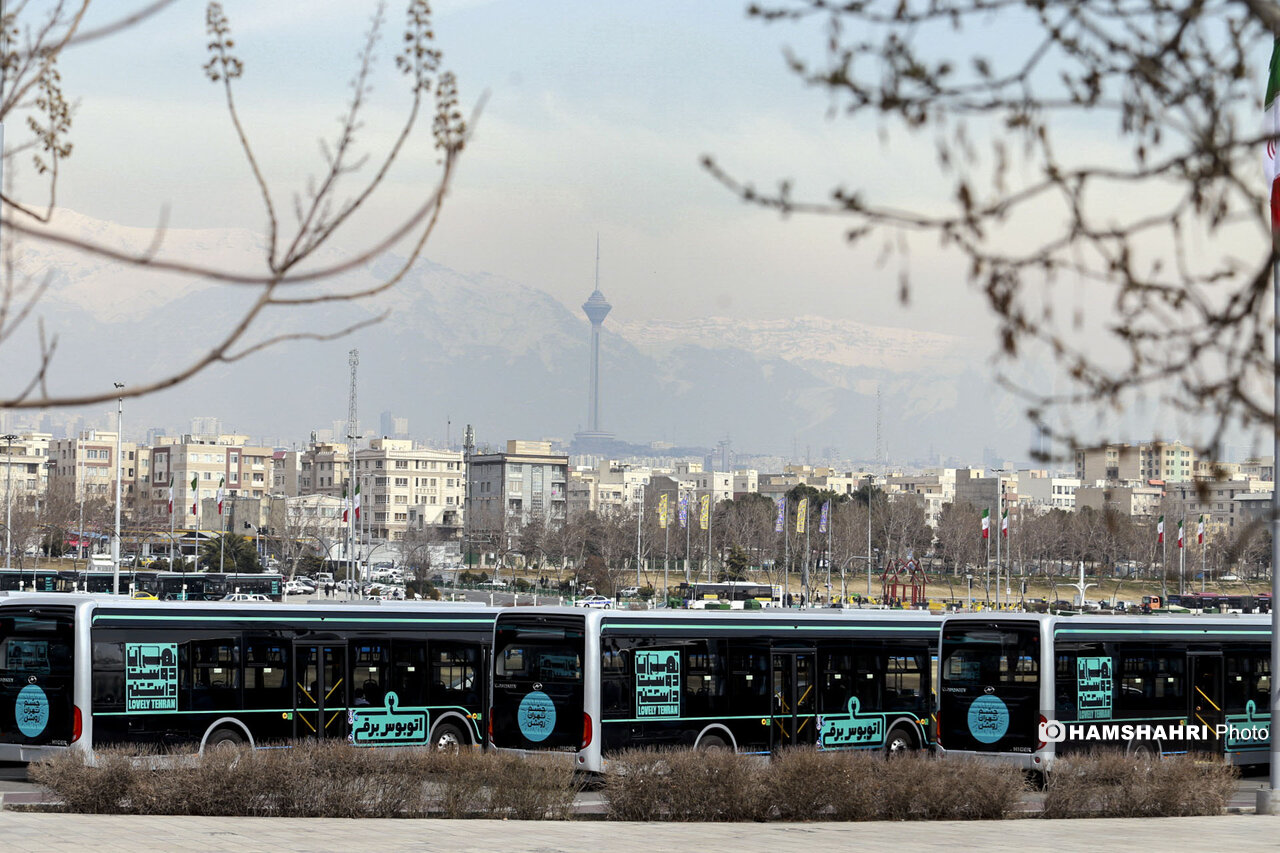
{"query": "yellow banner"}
(802, 515)
(704, 517)
(662, 511)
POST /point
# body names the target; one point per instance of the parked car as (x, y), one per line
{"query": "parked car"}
(493, 585)
(245, 596)
(599, 602)
(629, 591)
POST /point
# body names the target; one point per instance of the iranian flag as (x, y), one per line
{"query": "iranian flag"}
(357, 501)
(1004, 524)
(1200, 531)
(1160, 531)
(195, 495)
(1179, 533)
(222, 481)
(1271, 127)
(986, 524)
(345, 513)
(171, 494)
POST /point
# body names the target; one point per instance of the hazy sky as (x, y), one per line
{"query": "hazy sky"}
(596, 117)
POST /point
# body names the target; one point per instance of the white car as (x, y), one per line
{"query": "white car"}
(245, 596)
(629, 592)
(599, 602)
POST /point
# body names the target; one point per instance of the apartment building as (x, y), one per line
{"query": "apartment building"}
(1040, 492)
(610, 488)
(402, 486)
(27, 471)
(506, 491)
(85, 467)
(244, 471)
(1224, 503)
(1168, 462)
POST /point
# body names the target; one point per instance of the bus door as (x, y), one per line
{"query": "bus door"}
(1206, 698)
(794, 721)
(320, 690)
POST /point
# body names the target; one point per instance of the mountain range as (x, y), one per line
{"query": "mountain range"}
(470, 347)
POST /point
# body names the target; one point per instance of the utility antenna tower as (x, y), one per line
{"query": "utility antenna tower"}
(353, 358)
(879, 424)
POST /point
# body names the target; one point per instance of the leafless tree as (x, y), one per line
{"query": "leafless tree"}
(1159, 228)
(33, 39)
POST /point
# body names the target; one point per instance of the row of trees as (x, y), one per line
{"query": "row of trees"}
(744, 542)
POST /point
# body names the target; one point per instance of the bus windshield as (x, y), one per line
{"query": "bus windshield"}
(36, 647)
(538, 684)
(990, 680)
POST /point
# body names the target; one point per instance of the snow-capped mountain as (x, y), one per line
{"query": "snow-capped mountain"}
(511, 359)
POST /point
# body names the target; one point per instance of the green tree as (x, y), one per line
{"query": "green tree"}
(231, 552)
(735, 566)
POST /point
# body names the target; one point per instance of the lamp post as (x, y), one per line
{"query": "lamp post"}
(115, 539)
(8, 494)
(871, 478)
(80, 487)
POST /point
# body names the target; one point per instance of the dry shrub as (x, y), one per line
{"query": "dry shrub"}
(456, 784)
(1109, 783)
(530, 788)
(115, 781)
(686, 785)
(808, 784)
(637, 787)
(922, 787)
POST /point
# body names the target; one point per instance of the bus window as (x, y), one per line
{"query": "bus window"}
(453, 674)
(1151, 679)
(704, 682)
(905, 686)
(368, 672)
(409, 672)
(749, 678)
(615, 681)
(266, 671)
(108, 676)
(215, 674)
(1246, 678)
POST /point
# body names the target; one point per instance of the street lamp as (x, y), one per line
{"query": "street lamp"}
(871, 478)
(8, 494)
(115, 540)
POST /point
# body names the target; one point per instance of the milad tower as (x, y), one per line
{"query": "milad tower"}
(596, 308)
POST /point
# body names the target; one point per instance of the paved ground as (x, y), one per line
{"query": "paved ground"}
(25, 832)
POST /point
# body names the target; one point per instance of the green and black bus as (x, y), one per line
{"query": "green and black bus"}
(83, 671)
(1026, 688)
(589, 683)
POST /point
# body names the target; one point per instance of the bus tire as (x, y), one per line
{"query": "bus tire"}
(713, 743)
(448, 738)
(900, 741)
(224, 739)
(1144, 749)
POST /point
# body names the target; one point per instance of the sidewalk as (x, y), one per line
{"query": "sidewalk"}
(29, 832)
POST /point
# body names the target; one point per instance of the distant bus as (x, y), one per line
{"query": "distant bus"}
(83, 671)
(589, 683)
(1010, 685)
(736, 593)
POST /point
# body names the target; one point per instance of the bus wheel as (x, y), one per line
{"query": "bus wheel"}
(224, 739)
(1145, 750)
(712, 743)
(448, 738)
(899, 741)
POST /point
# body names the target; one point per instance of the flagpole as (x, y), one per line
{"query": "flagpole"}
(1164, 566)
(171, 520)
(1200, 536)
(1182, 557)
(806, 594)
(987, 580)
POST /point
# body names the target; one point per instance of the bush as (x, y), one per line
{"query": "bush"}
(313, 779)
(685, 785)
(1112, 784)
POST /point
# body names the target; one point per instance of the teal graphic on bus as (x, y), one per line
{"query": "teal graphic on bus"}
(657, 684)
(150, 677)
(848, 731)
(388, 725)
(988, 718)
(32, 710)
(536, 716)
